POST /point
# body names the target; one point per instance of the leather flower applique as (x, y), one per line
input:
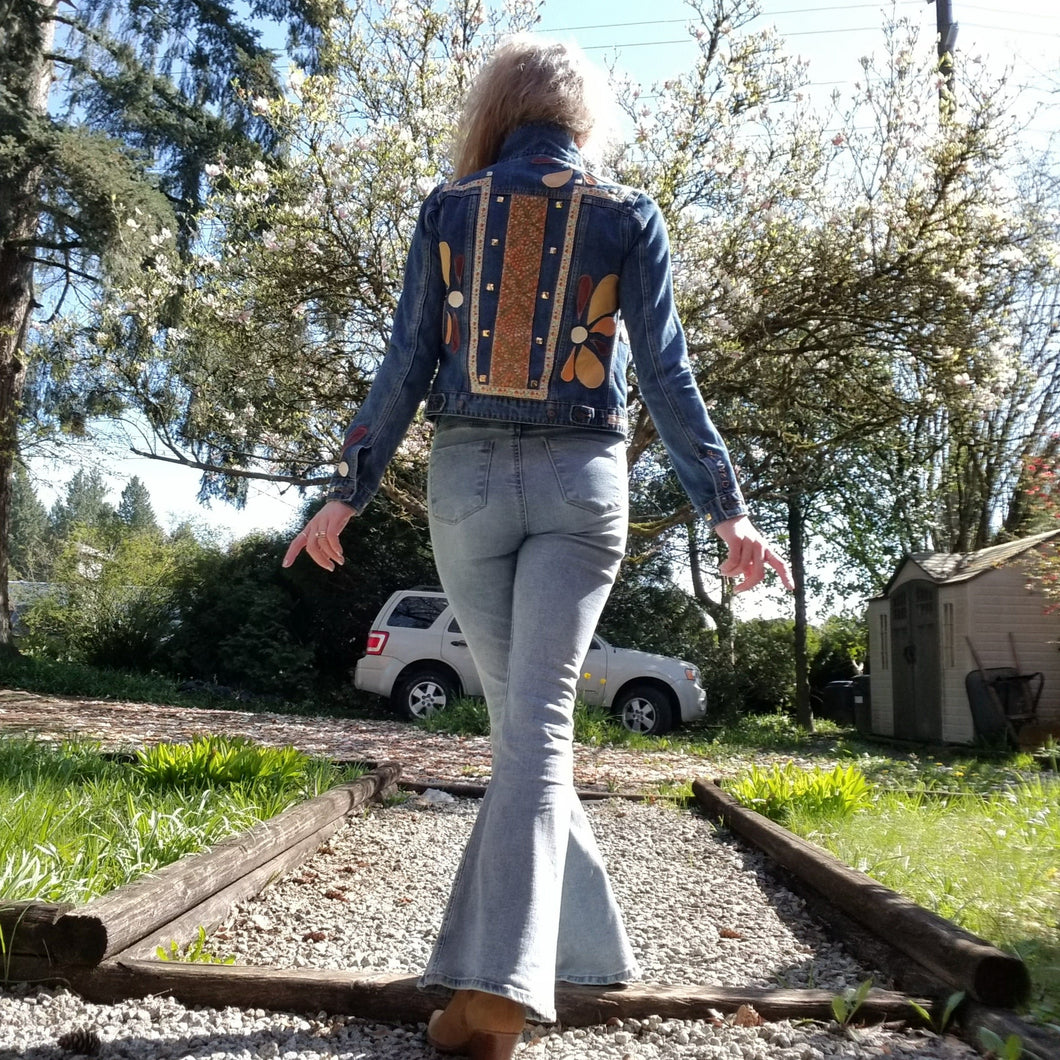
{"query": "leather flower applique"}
(594, 333)
(453, 271)
(561, 176)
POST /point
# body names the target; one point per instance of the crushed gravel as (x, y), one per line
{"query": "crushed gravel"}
(699, 906)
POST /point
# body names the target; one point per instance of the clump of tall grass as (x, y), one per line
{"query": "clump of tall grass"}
(785, 790)
(78, 823)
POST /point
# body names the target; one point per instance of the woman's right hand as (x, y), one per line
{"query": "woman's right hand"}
(320, 536)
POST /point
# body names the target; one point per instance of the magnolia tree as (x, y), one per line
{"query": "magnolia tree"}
(283, 312)
(852, 294)
(851, 282)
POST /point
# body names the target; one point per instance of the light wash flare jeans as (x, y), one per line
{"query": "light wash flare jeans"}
(528, 525)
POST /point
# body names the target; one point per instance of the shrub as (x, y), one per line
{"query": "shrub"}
(110, 607)
(234, 622)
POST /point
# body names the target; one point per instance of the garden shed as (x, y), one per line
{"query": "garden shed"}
(956, 641)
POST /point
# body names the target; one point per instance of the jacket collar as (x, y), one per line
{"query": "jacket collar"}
(548, 141)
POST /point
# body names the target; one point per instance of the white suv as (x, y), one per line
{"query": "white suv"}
(417, 657)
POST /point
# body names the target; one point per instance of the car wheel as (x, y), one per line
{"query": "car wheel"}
(644, 709)
(421, 694)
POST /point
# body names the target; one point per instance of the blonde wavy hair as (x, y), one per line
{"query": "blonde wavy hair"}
(530, 80)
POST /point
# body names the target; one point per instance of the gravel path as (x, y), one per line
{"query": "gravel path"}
(700, 909)
(423, 756)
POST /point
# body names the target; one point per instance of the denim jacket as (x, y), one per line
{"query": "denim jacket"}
(526, 287)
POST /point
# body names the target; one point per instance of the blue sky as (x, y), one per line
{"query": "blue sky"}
(650, 42)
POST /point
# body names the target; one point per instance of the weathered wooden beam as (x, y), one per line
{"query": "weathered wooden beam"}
(124, 916)
(464, 790)
(30, 929)
(899, 971)
(212, 912)
(960, 959)
(395, 998)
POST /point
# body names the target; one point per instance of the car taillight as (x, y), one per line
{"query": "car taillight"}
(377, 641)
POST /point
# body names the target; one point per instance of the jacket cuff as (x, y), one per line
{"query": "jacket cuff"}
(723, 507)
(348, 483)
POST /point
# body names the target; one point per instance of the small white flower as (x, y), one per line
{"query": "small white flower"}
(425, 185)
(130, 223)
(213, 170)
(260, 105)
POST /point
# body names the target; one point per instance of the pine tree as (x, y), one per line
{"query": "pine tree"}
(134, 508)
(85, 505)
(30, 551)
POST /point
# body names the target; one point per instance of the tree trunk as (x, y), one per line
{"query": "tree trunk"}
(797, 542)
(24, 43)
(719, 610)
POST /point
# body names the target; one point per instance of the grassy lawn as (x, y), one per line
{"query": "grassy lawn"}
(973, 838)
(78, 823)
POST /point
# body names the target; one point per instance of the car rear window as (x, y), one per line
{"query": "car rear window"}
(417, 612)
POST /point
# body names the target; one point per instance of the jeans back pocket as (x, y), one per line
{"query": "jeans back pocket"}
(458, 478)
(589, 470)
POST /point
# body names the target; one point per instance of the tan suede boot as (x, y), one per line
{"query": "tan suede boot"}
(480, 1025)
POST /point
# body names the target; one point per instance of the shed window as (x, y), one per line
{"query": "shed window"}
(885, 643)
(948, 654)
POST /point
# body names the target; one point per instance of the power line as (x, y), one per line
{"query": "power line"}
(1009, 29)
(686, 40)
(683, 21)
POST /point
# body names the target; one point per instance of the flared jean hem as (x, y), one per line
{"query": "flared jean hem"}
(535, 1012)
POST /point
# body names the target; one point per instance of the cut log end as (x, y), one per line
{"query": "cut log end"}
(1001, 981)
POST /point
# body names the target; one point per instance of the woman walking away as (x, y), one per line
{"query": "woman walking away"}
(528, 283)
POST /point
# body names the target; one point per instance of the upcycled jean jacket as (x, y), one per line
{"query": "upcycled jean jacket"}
(526, 287)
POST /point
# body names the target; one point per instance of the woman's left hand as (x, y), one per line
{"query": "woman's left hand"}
(749, 555)
(320, 536)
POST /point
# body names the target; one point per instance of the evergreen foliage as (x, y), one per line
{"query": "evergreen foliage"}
(84, 505)
(30, 550)
(134, 509)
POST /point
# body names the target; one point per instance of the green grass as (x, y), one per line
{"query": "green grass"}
(78, 822)
(978, 843)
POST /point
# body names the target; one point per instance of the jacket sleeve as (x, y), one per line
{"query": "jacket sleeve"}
(664, 374)
(405, 375)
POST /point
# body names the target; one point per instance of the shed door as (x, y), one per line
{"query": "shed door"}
(915, 661)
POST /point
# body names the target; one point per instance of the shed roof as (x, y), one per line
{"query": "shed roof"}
(946, 568)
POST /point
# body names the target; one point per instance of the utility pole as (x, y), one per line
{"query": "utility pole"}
(947, 36)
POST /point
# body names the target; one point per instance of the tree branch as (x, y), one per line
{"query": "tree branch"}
(235, 472)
